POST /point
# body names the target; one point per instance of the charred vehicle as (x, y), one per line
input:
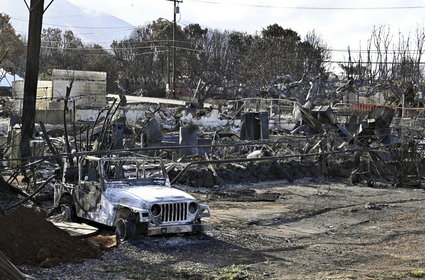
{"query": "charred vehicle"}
(132, 194)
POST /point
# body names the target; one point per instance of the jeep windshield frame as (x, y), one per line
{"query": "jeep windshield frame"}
(133, 171)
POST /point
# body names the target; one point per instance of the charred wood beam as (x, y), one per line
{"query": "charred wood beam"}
(29, 197)
(104, 127)
(108, 124)
(65, 126)
(89, 139)
(109, 121)
(50, 145)
(11, 189)
(14, 176)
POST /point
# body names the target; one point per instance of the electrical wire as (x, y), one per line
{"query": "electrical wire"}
(389, 52)
(309, 7)
(92, 52)
(82, 27)
(138, 42)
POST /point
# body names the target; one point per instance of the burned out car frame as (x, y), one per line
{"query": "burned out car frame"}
(132, 194)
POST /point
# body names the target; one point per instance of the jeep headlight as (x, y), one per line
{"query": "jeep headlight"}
(156, 210)
(193, 207)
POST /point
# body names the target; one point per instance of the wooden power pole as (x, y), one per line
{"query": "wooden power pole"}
(31, 74)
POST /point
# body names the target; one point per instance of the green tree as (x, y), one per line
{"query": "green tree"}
(276, 51)
(220, 60)
(12, 49)
(63, 50)
(145, 56)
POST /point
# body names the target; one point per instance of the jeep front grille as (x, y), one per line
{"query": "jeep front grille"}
(174, 212)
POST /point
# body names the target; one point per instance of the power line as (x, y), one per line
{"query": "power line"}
(116, 48)
(377, 51)
(93, 52)
(125, 42)
(388, 52)
(82, 27)
(309, 7)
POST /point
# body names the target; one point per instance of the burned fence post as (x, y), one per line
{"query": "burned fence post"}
(254, 126)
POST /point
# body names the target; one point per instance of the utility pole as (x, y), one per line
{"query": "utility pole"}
(36, 10)
(175, 11)
(168, 72)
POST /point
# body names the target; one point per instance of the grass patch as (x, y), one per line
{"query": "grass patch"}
(152, 274)
(139, 276)
(188, 273)
(389, 276)
(158, 274)
(417, 273)
(341, 277)
(235, 273)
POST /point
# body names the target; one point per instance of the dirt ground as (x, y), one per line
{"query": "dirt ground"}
(279, 230)
(26, 237)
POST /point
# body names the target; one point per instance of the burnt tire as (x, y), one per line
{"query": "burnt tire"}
(125, 229)
(68, 213)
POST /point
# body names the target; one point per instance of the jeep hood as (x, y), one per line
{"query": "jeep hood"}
(148, 194)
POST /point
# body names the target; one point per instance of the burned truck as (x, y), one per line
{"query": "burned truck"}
(132, 194)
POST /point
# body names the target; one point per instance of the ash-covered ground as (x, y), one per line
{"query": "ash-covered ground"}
(308, 229)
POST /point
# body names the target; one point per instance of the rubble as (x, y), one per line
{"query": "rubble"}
(301, 134)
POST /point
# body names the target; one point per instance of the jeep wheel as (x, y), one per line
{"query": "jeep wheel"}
(125, 229)
(68, 212)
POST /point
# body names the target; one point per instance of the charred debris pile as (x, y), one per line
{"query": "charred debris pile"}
(205, 145)
(295, 133)
(247, 140)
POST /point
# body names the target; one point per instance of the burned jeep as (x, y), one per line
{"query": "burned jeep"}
(132, 194)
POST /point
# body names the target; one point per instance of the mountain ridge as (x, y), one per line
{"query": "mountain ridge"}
(97, 28)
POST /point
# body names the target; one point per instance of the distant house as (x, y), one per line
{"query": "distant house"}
(88, 92)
